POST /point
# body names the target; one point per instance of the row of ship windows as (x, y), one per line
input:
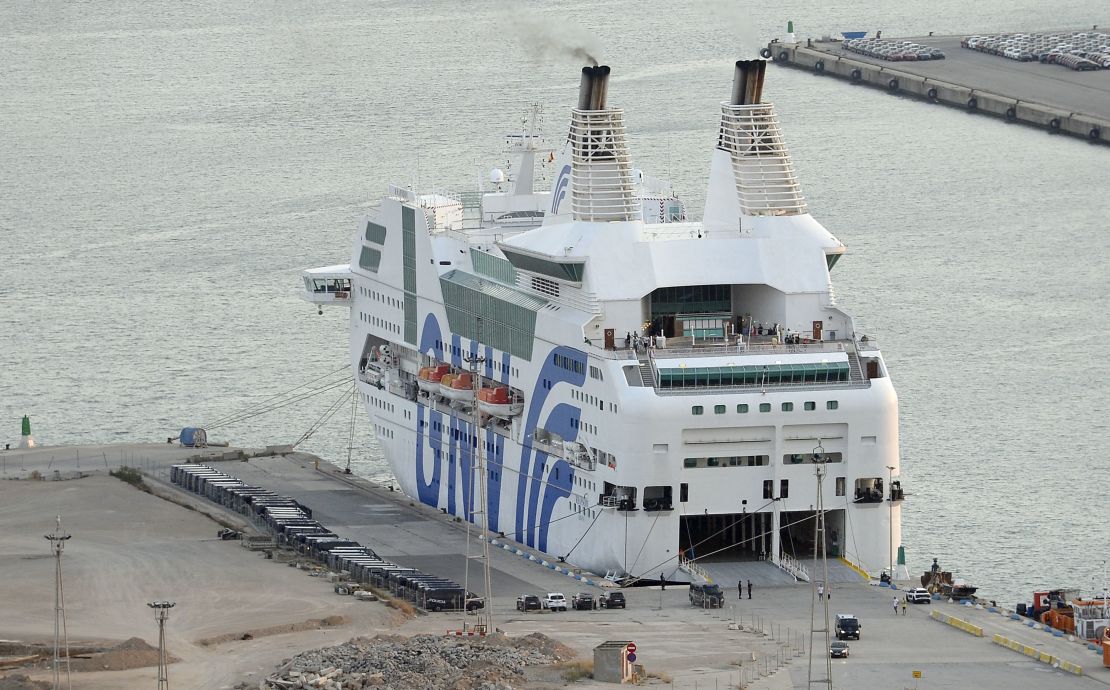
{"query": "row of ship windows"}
(457, 351)
(756, 460)
(584, 426)
(379, 297)
(594, 400)
(388, 407)
(380, 323)
(808, 406)
(382, 432)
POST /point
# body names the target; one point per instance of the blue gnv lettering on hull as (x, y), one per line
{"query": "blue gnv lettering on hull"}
(529, 481)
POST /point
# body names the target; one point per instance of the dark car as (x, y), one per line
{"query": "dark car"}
(706, 595)
(583, 601)
(474, 602)
(847, 626)
(611, 600)
(528, 602)
(838, 650)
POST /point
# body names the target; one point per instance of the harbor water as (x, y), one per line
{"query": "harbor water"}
(169, 169)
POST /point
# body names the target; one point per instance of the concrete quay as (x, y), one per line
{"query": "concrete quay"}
(124, 539)
(1049, 97)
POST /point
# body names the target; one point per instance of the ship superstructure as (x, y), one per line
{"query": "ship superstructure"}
(647, 393)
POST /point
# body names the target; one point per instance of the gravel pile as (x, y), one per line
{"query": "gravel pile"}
(391, 662)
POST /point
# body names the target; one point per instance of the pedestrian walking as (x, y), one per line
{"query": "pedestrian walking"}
(894, 605)
(749, 589)
(740, 589)
(903, 606)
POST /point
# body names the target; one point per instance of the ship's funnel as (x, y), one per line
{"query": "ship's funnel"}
(602, 188)
(747, 82)
(593, 88)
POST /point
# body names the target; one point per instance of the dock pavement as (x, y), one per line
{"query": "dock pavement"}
(756, 643)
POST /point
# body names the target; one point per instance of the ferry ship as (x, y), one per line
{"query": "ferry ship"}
(641, 394)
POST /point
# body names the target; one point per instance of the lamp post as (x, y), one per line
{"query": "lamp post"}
(161, 613)
(890, 525)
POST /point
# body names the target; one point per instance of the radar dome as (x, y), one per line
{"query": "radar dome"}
(497, 176)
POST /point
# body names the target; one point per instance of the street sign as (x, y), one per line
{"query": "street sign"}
(631, 648)
(917, 674)
(631, 657)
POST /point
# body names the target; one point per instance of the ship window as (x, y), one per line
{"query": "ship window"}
(683, 492)
(369, 259)
(742, 408)
(696, 409)
(764, 407)
(784, 488)
(810, 406)
(840, 486)
(718, 409)
(831, 259)
(832, 405)
(768, 488)
(375, 233)
(689, 462)
(788, 407)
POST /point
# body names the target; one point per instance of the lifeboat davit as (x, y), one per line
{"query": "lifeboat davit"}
(428, 378)
(498, 403)
(456, 387)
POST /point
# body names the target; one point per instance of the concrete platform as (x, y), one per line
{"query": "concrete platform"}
(1051, 97)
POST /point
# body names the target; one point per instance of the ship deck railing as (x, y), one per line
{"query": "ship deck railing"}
(758, 346)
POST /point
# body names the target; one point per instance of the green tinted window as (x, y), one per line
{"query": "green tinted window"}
(369, 259)
(742, 408)
(696, 409)
(718, 409)
(764, 407)
(832, 405)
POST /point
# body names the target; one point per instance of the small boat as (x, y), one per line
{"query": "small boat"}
(456, 387)
(428, 378)
(497, 402)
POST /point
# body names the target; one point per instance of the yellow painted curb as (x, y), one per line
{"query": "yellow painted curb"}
(957, 623)
(860, 571)
(1034, 653)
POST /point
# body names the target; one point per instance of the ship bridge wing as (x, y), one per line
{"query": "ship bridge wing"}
(328, 285)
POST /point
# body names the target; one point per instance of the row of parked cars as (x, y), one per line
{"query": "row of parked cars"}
(1078, 50)
(291, 525)
(583, 601)
(894, 51)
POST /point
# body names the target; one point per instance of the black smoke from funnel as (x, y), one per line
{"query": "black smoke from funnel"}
(747, 82)
(583, 55)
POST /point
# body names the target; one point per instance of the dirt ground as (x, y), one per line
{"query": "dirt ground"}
(129, 548)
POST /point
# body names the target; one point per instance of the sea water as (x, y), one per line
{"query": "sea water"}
(168, 169)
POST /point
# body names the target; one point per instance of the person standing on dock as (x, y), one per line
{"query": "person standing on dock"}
(749, 589)
(894, 605)
(903, 605)
(739, 589)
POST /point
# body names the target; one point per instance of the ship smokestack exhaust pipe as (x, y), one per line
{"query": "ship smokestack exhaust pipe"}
(594, 88)
(747, 82)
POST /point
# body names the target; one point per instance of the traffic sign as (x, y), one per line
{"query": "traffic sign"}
(631, 648)
(631, 657)
(917, 674)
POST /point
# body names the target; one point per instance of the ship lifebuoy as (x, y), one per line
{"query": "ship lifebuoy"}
(972, 103)
(1011, 113)
(932, 94)
(784, 56)
(1054, 124)
(855, 74)
(1095, 134)
(765, 53)
(819, 66)
(892, 84)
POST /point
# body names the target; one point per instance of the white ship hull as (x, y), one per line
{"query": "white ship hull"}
(630, 460)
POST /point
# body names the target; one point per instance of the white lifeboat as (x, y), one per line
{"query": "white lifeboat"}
(497, 402)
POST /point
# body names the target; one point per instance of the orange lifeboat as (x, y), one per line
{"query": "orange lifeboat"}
(498, 402)
(428, 378)
(456, 386)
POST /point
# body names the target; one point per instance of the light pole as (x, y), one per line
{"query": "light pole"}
(57, 540)
(161, 614)
(890, 526)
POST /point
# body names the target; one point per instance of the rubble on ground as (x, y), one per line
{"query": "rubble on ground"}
(392, 662)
